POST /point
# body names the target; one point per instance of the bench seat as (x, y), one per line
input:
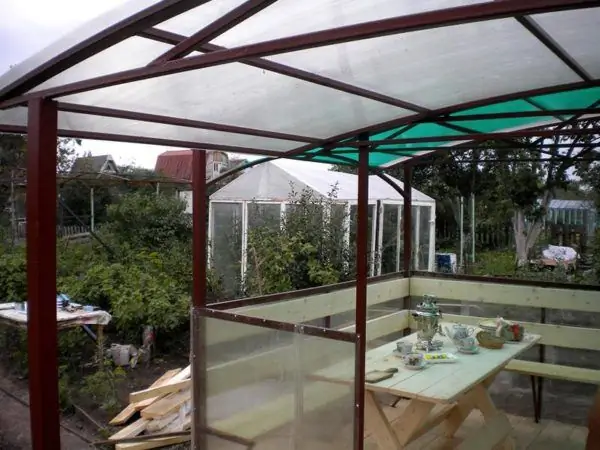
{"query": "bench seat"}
(555, 371)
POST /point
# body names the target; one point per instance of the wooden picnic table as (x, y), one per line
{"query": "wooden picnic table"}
(440, 393)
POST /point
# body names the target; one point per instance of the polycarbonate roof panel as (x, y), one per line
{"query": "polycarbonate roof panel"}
(383, 83)
(441, 67)
(292, 17)
(571, 30)
(237, 94)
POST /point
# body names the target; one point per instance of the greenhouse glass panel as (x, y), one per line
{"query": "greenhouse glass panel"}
(391, 227)
(415, 237)
(425, 238)
(263, 215)
(226, 244)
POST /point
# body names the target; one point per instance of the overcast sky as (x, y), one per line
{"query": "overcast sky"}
(27, 26)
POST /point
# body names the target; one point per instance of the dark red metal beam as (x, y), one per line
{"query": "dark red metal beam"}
(180, 122)
(263, 64)
(108, 37)
(148, 140)
(541, 34)
(42, 334)
(395, 25)
(199, 282)
(515, 114)
(477, 137)
(362, 274)
(213, 30)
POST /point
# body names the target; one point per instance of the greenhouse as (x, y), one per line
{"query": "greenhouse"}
(262, 195)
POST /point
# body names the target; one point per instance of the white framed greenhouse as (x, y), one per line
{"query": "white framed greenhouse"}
(262, 195)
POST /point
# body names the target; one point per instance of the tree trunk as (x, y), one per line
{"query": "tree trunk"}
(527, 234)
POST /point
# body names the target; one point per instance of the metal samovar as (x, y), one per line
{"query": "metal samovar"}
(427, 316)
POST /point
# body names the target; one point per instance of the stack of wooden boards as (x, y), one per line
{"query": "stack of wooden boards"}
(163, 408)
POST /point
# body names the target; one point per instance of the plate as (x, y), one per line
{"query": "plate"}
(440, 358)
(469, 351)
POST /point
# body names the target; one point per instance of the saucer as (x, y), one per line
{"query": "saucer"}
(419, 366)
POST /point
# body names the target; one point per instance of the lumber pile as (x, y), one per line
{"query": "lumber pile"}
(162, 408)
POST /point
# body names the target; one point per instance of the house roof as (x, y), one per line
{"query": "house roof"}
(176, 164)
(94, 164)
(572, 204)
(275, 180)
(316, 78)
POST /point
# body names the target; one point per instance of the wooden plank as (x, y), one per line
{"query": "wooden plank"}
(551, 334)
(166, 405)
(130, 410)
(168, 388)
(130, 430)
(555, 371)
(506, 294)
(554, 436)
(153, 443)
(179, 376)
(304, 309)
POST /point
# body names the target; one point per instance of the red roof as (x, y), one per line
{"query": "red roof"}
(175, 164)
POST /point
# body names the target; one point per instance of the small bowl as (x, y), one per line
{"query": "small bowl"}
(413, 359)
(490, 340)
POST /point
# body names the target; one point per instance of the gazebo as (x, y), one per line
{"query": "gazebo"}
(373, 84)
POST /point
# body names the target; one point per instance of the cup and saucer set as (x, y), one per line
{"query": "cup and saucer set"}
(461, 337)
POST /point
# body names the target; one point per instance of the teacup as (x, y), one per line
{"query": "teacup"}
(413, 359)
(404, 348)
(466, 343)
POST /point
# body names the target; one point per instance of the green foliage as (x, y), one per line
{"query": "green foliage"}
(13, 274)
(306, 249)
(101, 386)
(148, 221)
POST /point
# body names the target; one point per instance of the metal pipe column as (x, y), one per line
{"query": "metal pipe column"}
(362, 272)
(199, 216)
(42, 334)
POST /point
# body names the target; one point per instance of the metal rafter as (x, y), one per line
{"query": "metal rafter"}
(366, 30)
(167, 37)
(176, 121)
(214, 29)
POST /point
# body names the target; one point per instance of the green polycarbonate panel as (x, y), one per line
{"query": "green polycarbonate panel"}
(576, 99)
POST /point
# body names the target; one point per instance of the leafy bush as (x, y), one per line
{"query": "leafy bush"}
(13, 274)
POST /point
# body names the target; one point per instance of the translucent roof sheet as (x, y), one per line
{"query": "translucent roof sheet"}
(274, 180)
(302, 79)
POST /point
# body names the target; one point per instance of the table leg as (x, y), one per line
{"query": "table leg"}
(378, 424)
(412, 419)
(491, 414)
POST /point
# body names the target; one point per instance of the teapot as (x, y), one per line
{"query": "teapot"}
(458, 332)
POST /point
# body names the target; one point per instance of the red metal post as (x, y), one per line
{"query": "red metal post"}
(407, 220)
(199, 217)
(362, 272)
(42, 332)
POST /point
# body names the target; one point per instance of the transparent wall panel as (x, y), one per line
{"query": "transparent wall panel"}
(264, 215)
(415, 237)
(391, 228)
(261, 385)
(226, 244)
(425, 238)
